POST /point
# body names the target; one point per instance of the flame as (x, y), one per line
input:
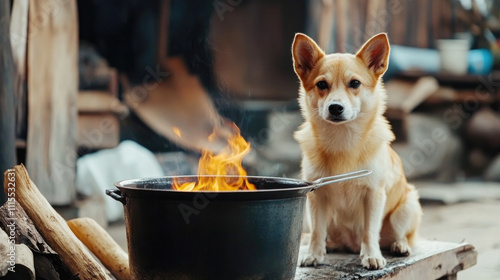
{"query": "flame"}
(177, 131)
(226, 162)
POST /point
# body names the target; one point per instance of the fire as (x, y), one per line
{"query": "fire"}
(177, 131)
(226, 162)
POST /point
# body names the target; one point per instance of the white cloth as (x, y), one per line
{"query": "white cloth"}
(98, 171)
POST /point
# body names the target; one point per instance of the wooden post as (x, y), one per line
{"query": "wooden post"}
(19, 41)
(7, 119)
(52, 92)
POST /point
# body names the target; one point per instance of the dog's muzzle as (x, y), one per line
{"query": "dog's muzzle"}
(336, 112)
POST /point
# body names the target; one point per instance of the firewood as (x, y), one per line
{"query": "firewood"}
(25, 231)
(102, 245)
(18, 263)
(52, 226)
(48, 264)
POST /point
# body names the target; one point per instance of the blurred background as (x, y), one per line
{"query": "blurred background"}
(93, 92)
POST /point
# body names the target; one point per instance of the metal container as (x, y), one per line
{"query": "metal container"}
(215, 235)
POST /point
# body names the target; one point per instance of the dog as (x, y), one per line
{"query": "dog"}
(342, 99)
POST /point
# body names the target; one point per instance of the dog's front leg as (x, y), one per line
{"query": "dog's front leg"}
(371, 257)
(317, 245)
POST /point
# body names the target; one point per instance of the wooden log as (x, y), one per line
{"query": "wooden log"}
(25, 231)
(102, 245)
(18, 263)
(7, 119)
(52, 90)
(46, 270)
(53, 227)
(48, 264)
(100, 101)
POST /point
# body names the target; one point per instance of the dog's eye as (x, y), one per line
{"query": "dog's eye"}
(354, 84)
(322, 85)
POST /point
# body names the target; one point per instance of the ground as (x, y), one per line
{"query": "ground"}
(476, 222)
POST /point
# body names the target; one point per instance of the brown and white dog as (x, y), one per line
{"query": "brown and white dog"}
(342, 99)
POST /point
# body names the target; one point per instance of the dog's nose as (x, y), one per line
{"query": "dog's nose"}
(336, 109)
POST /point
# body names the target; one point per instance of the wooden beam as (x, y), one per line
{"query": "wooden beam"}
(19, 42)
(53, 87)
(428, 260)
(53, 227)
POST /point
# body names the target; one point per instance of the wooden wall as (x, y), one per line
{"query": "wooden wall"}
(251, 41)
(251, 47)
(410, 23)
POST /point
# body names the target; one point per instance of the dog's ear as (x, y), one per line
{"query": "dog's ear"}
(375, 54)
(305, 53)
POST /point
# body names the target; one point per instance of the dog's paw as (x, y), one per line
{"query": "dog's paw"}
(373, 261)
(400, 248)
(310, 260)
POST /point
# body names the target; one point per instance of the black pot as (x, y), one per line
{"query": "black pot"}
(215, 235)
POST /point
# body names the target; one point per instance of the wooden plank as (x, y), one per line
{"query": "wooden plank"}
(19, 40)
(376, 20)
(354, 25)
(19, 35)
(422, 27)
(98, 131)
(429, 260)
(53, 85)
(399, 22)
(326, 25)
(452, 193)
(97, 101)
(342, 25)
(7, 119)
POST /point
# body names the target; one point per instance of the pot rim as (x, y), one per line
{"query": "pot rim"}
(296, 184)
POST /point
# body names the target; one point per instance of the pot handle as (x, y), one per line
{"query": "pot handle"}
(339, 178)
(116, 195)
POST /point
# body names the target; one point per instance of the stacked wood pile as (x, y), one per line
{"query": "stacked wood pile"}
(44, 245)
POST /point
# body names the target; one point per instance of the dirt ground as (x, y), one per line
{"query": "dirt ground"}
(477, 223)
